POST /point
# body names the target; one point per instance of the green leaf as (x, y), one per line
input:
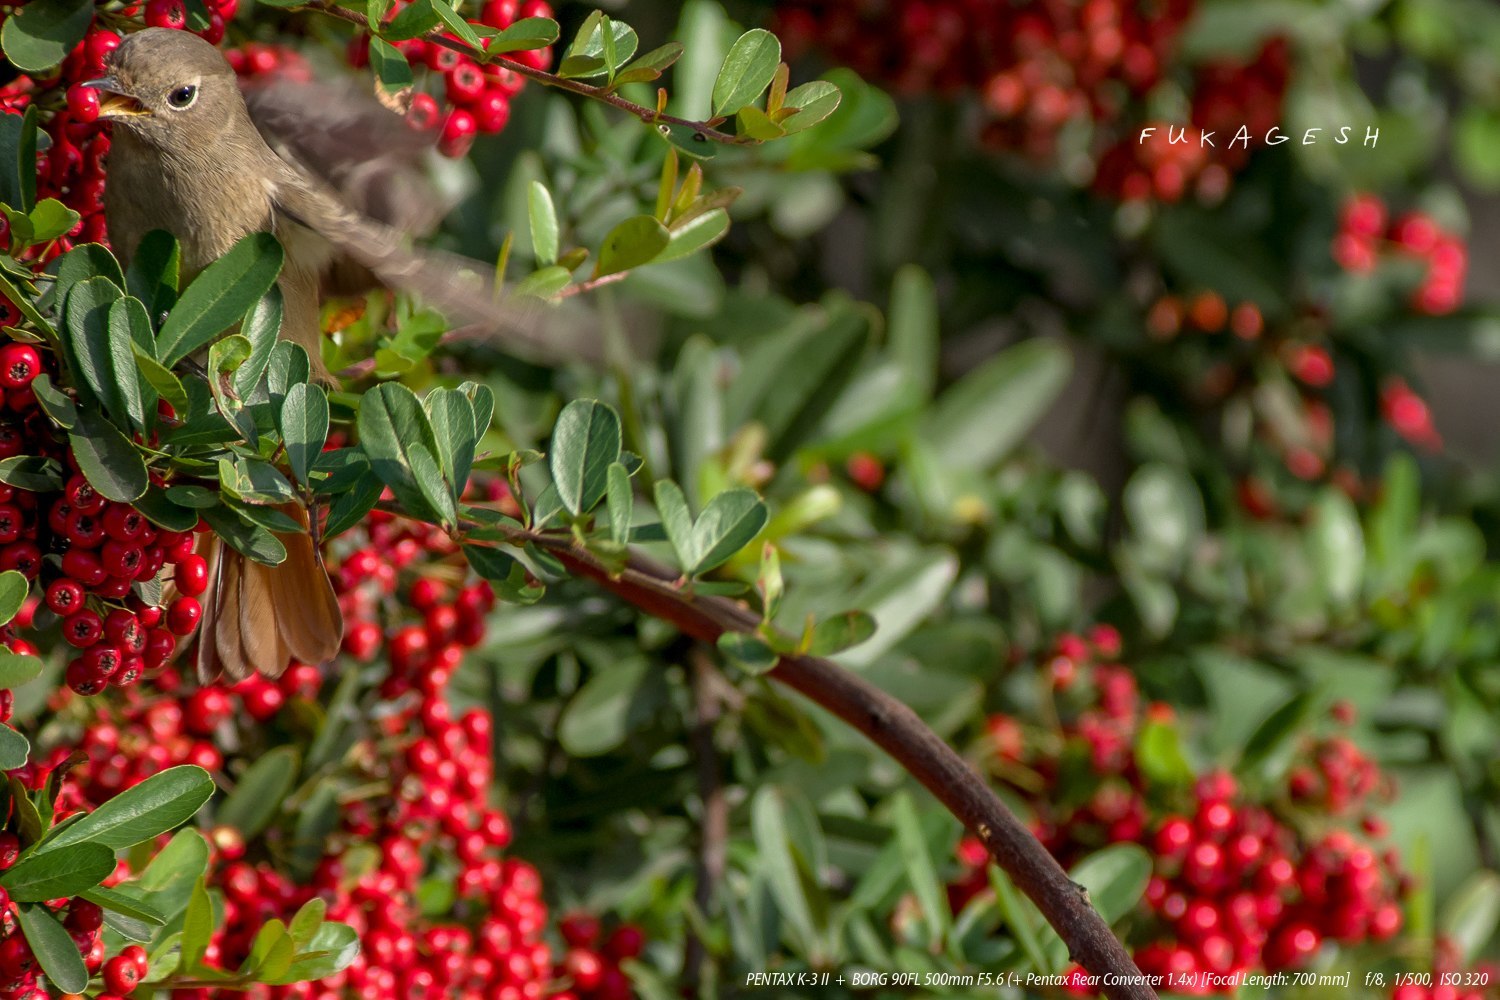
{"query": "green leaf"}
(31, 473)
(545, 283)
(621, 502)
(434, 488)
(330, 951)
(1115, 878)
(40, 35)
(747, 71)
(768, 823)
(505, 573)
(752, 655)
(633, 243)
(352, 507)
(51, 219)
(729, 522)
(455, 425)
(161, 803)
(841, 632)
(390, 66)
(391, 420)
(651, 65)
(129, 327)
(609, 706)
(1471, 915)
(220, 296)
(87, 260)
(153, 273)
(1278, 730)
(86, 328)
(916, 855)
(166, 384)
(1338, 546)
(416, 18)
(261, 327)
(246, 538)
(18, 151)
(270, 953)
(260, 791)
(131, 907)
(587, 55)
(543, 224)
(14, 748)
(304, 427)
(60, 872)
(107, 459)
(585, 442)
(1158, 751)
(13, 587)
(753, 123)
(184, 859)
(461, 28)
(307, 921)
(698, 233)
(814, 102)
(527, 33)
(197, 926)
(986, 413)
(16, 668)
(52, 945)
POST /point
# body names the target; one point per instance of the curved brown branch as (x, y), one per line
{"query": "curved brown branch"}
(650, 116)
(897, 730)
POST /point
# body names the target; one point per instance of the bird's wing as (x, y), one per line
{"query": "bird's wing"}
(456, 286)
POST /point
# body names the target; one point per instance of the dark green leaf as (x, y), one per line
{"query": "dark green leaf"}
(585, 442)
(747, 71)
(454, 427)
(40, 35)
(166, 385)
(505, 573)
(107, 459)
(608, 707)
(220, 296)
(160, 508)
(836, 634)
(416, 18)
(136, 909)
(13, 587)
(768, 823)
(461, 28)
(54, 949)
(261, 327)
(153, 273)
(633, 243)
(651, 65)
(52, 873)
(352, 507)
(86, 329)
(260, 791)
(390, 66)
(289, 366)
(88, 260)
(750, 654)
(729, 523)
(304, 427)
(129, 332)
(161, 803)
(18, 152)
(31, 472)
(248, 539)
(391, 420)
(14, 748)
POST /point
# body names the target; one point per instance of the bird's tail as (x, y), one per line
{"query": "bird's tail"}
(258, 618)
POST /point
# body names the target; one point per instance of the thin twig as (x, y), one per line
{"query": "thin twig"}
(895, 728)
(713, 829)
(702, 131)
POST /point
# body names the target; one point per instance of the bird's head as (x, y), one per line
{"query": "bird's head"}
(168, 86)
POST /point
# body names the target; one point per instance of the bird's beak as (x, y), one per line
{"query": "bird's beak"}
(114, 102)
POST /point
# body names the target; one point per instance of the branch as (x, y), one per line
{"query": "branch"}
(899, 731)
(714, 830)
(702, 132)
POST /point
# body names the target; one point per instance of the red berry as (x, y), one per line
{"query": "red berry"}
(20, 363)
(121, 975)
(183, 615)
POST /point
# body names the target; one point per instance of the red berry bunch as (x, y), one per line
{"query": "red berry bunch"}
(591, 965)
(1238, 884)
(1367, 234)
(470, 99)
(1172, 159)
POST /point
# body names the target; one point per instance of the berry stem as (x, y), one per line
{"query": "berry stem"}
(897, 730)
(650, 116)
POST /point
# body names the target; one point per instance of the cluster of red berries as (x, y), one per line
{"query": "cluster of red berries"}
(1234, 109)
(1235, 886)
(1449, 980)
(1037, 67)
(104, 550)
(592, 962)
(473, 100)
(1367, 232)
(432, 821)
(20, 974)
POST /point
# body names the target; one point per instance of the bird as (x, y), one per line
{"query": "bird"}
(186, 156)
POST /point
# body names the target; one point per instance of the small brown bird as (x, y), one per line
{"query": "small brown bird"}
(188, 157)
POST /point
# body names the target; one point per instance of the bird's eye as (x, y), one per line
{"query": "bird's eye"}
(183, 97)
